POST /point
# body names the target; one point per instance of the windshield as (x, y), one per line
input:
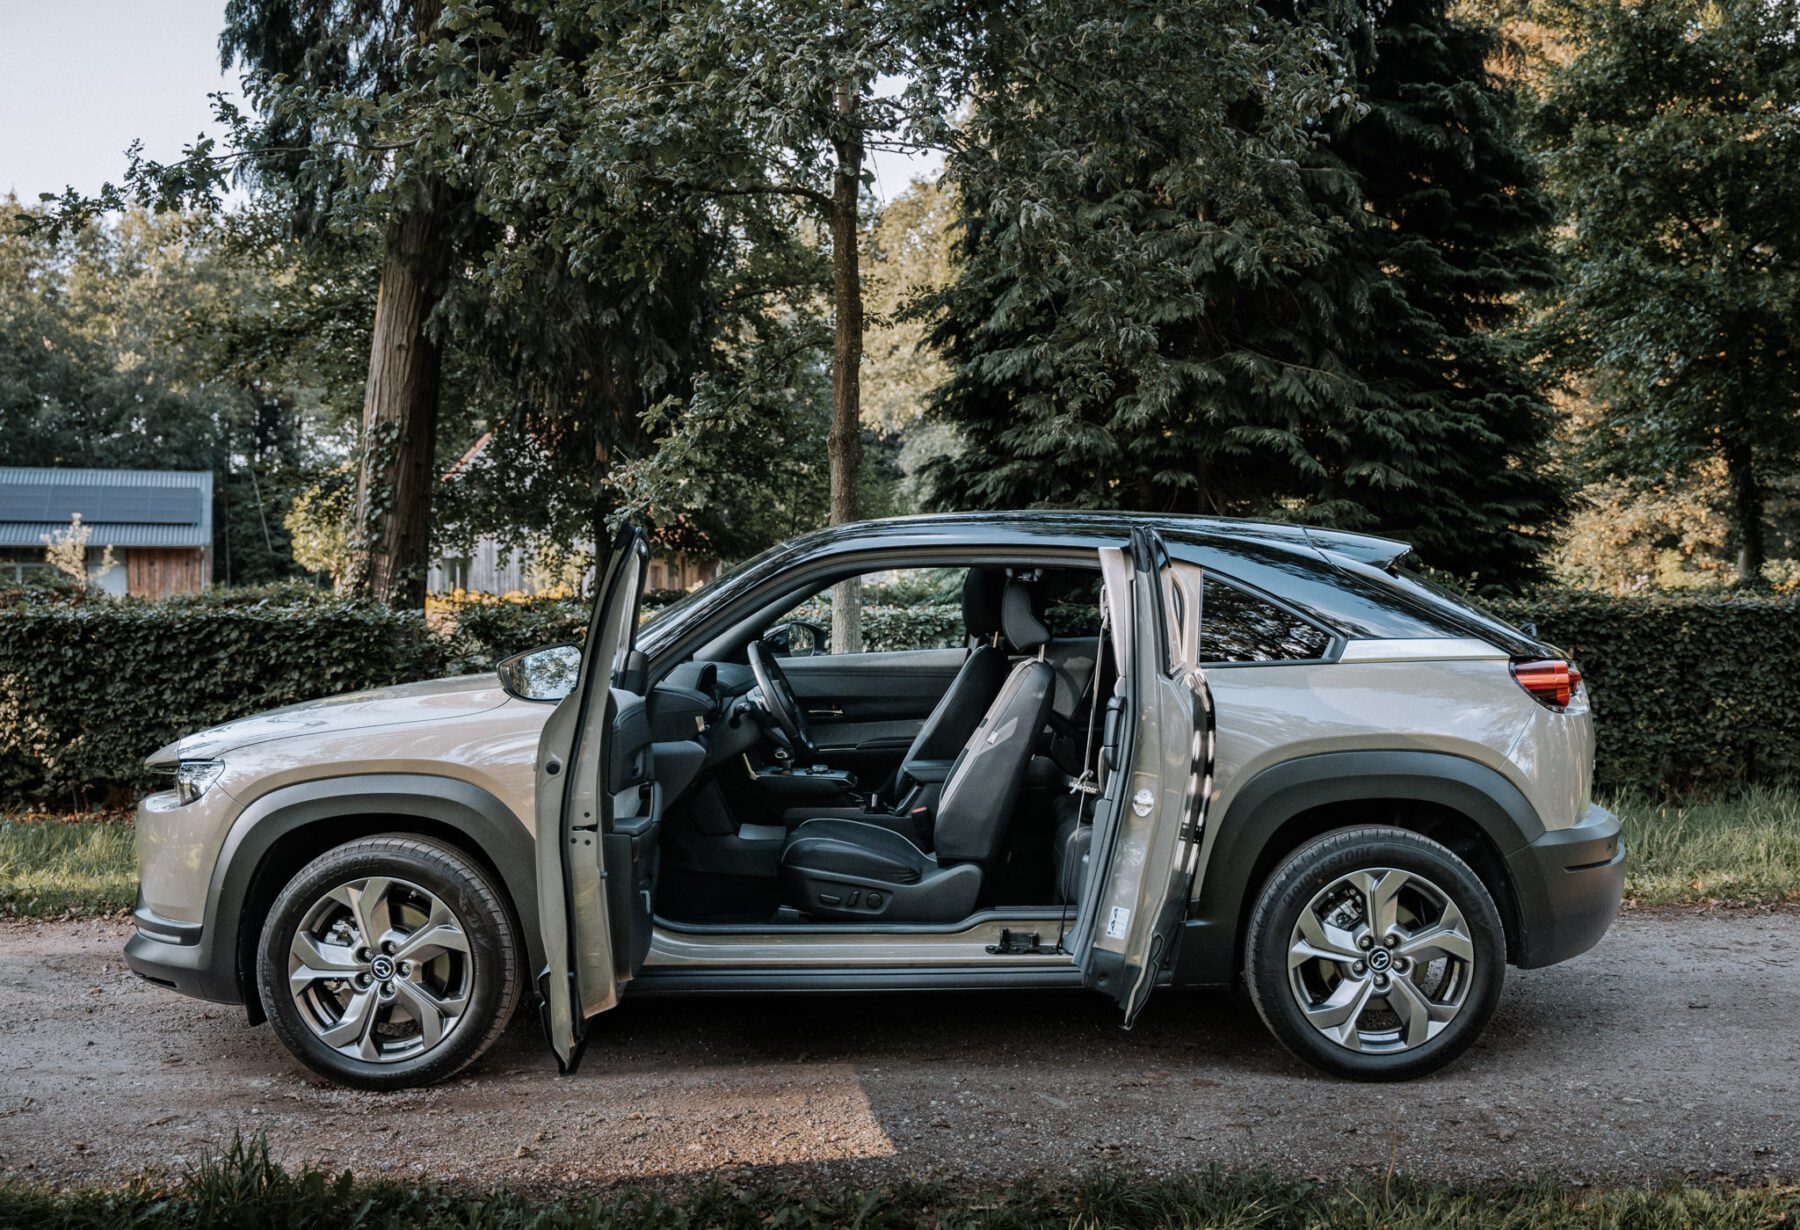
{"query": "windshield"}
(656, 621)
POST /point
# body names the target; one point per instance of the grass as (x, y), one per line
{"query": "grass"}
(245, 1189)
(52, 866)
(1740, 848)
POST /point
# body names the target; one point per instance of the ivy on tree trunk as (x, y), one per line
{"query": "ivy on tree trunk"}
(397, 472)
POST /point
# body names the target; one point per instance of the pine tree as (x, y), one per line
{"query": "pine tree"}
(1673, 131)
(1362, 377)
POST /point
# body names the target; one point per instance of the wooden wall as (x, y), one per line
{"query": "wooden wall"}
(152, 571)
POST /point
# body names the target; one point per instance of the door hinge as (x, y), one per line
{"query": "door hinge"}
(1015, 944)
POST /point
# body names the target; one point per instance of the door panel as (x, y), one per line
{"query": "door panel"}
(1157, 808)
(865, 709)
(595, 775)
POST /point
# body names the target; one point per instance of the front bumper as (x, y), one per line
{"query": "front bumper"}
(1568, 885)
(180, 956)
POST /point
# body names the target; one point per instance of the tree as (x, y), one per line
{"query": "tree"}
(1288, 306)
(908, 257)
(338, 169)
(775, 106)
(146, 341)
(1674, 131)
(536, 288)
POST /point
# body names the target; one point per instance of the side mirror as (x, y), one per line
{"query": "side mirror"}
(798, 638)
(541, 674)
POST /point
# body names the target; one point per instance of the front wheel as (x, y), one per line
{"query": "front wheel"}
(389, 962)
(1375, 953)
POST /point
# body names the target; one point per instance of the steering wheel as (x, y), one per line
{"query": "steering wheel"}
(778, 698)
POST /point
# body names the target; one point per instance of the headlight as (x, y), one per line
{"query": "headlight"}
(193, 777)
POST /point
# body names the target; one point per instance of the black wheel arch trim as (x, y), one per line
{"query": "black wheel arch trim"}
(1212, 940)
(473, 817)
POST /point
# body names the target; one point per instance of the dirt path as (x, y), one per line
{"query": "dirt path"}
(1672, 1051)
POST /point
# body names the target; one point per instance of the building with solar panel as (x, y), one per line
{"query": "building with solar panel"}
(159, 524)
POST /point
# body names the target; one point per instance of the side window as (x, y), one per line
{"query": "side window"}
(1237, 626)
(1073, 609)
(902, 609)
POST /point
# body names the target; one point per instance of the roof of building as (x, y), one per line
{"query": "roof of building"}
(124, 508)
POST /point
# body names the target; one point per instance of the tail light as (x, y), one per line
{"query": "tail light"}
(1552, 682)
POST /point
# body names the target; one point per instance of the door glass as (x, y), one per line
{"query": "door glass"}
(902, 609)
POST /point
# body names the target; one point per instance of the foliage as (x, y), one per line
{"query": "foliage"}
(1671, 535)
(318, 522)
(50, 867)
(1310, 329)
(244, 1187)
(153, 342)
(66, 550)
(1673, 130)
(1685, 689)
(907, 256)
(1735, 847)
(89, 687)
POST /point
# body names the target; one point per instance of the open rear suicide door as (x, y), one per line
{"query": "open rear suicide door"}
(1149, 822)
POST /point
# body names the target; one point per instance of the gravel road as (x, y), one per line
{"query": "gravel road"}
(1671, 1051)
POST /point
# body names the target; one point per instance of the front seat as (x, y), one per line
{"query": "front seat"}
(950, 724)
(852, 869)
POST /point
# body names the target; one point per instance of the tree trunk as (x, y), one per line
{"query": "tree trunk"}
(1746, 511)
(391, 535)
(844, 443)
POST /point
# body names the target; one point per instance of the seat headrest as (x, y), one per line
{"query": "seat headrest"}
(981, 601)
(1019, 617)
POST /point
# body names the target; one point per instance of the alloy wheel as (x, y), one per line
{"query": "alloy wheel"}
(380, 970)
(1380, 960)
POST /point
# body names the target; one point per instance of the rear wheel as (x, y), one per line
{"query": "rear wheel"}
(1375, 953)
(389, 962)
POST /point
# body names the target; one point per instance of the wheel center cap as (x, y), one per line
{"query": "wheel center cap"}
(1379, 960)
(382, 968)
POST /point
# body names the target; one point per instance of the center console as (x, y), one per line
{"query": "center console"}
(788, 787)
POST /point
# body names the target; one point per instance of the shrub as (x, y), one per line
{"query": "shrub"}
(89, 686)
(1686, 690)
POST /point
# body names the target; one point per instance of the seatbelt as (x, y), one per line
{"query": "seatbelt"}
(1088, 784)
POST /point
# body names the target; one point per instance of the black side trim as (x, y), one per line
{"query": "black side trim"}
(682, 980)
(1212, 940)
(214, 968)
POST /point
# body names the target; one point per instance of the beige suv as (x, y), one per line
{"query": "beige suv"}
(1158, 750)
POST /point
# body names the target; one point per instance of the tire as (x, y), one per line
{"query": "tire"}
(422, 1000)
(1385, 1002)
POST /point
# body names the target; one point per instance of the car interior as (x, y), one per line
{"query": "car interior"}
(919, 781)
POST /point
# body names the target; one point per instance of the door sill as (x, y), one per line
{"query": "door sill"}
(990, 940)
(1014, 916)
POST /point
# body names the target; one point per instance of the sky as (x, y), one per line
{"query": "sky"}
(81, 79)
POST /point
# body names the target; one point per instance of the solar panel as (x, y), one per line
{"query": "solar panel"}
(100, 505)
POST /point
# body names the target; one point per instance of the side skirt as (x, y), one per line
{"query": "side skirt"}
(679, 981)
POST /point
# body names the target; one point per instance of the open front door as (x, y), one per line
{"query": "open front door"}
(1150, 817)
(595, 805)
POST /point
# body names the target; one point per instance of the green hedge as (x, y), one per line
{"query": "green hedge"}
(89, 687)
(1687, 690)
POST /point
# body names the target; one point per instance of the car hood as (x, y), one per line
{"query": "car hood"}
(406, 704)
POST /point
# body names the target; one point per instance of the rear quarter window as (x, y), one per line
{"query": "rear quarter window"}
(1239, 626)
